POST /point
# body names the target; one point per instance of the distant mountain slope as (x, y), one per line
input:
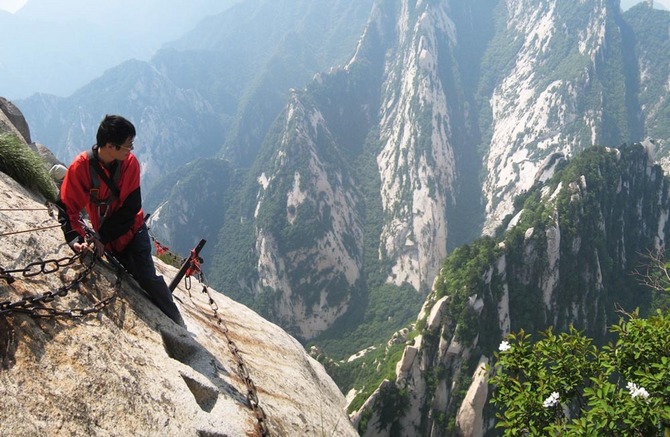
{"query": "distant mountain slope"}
(439, 112)
(652, 46)
(204, 86)
(57, 47)
(270, 46)
(418, 142)
(567, 259)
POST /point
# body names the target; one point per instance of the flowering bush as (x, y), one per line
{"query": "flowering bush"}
(564, 385)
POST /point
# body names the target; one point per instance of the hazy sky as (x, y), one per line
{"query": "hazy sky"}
(15, 5)
(57, 46)
(658, 4)
(12, 5)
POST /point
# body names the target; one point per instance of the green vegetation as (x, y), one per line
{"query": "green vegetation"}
(602, 206)
(464, 276)
(391, 403)
(366, 373)
(564, 385)
(371, 321)
(171, 259)
(652, 43)
(24, 166)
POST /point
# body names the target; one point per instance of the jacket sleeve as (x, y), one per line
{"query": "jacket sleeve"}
(73, 198)
(122, 219)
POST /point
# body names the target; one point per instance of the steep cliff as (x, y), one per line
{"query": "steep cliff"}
(83, 351)
(566, 258)
(419, 142)
(649, 82)
(308, 226)
(387, 126)
(557, 85)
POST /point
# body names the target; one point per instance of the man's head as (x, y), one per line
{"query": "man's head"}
(115, 130)
(115, 138)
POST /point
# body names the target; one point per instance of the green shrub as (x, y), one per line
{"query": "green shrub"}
(24, 166)
(564, 385)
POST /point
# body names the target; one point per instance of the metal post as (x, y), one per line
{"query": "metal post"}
(186, 265)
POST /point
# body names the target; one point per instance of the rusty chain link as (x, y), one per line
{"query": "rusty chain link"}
(242, 371)
(39, 267)
(32, 305)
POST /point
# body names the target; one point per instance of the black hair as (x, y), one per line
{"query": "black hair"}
(114, 129)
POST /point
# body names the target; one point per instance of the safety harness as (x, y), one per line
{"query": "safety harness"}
(98, 173)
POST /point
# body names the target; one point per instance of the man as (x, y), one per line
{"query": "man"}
(106, 181)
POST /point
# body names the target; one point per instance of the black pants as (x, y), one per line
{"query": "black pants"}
(137, 260)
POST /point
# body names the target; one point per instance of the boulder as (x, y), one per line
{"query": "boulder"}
(13, 119)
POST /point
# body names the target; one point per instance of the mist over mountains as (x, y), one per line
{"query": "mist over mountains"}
(334, 153)
(444, 103)
(658, 4)
(57, 47)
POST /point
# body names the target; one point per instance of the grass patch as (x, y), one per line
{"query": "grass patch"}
(26, 167)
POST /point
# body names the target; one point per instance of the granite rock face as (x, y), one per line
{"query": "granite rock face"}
(125, 368)
(12, 120)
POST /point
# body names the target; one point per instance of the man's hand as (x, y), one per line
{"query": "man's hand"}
(94, 245)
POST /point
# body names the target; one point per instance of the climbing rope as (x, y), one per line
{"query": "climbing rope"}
(23, 209)
(49, 208)
(29, 230)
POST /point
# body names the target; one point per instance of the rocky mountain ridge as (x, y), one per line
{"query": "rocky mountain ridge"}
(443, 114)
(567, 258)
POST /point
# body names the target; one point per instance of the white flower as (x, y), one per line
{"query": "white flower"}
(504, 346)
(551, 401)
(636, 391)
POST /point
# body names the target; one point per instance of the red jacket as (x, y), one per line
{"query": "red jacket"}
(123, 217)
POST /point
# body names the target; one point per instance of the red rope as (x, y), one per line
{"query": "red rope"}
(194, 264)
(160, 249)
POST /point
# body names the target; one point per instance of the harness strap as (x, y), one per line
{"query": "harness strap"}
(98, 173)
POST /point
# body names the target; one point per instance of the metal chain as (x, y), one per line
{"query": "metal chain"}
(242, 371)
(39, 267)
(32, 305)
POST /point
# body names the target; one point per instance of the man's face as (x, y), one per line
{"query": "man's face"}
(124, 149)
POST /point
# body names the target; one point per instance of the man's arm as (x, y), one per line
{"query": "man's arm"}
(73, 198)
(122, 219)
(71, 235)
